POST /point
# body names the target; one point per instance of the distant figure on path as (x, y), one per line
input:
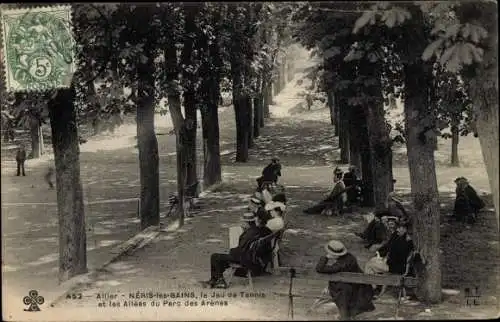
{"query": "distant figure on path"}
(335, 200)
(48, 177)
(20, 159)
(309, 100)
(467, 202)
(351, 299)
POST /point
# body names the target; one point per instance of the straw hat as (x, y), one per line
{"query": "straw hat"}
(335, 248)
(461, 179)
(248, 216)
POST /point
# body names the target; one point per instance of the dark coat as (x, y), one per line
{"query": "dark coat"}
(467, 201)
(397, 249)
(350, 179)
(243, 252)
(21, 155)
(271, 172)
(351, 299)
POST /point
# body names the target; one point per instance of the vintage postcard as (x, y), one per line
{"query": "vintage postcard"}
(249, 161)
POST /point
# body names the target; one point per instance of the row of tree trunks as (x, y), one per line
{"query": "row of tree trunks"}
(70, 208)
(331, 107)
(148, 144)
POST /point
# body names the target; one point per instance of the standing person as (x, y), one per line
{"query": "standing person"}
(351, 299)
(48, 177)
(335, 200)
(20, 159)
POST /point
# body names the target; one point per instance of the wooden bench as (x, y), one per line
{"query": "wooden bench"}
(321, 280)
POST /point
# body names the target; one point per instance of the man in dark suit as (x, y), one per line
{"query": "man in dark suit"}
(245, 254)
(20, 159)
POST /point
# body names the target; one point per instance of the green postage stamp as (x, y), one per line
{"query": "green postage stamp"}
(38, 48)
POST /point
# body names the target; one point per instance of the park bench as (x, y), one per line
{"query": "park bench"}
(314, 279)
(189, 193)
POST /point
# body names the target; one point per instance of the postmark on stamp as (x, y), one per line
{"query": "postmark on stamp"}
(38, 48)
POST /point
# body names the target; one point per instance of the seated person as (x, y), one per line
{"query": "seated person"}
(243, 254)
(393, 255)
(396, 208)
(255, 204)
(351, 299)
(272, 171)
(335, 200)
(276, 210)
(353, 185)
(280, 197)
(263, 191)
(467, 202)
(376, 231)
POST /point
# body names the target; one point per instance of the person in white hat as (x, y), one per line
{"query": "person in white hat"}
(351, 299)
(276, 210)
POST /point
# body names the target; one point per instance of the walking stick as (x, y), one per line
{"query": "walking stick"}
(290, 294)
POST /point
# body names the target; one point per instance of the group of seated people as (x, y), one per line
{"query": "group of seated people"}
(260, 226)
(386, 235)
(346, 191)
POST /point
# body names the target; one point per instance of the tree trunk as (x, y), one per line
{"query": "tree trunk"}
(250, 113)
(189, 141)
(242, 129)
(358, 129)
(268, 98)
(148, 146)
(344, 132)
(331, 107)
(257, 114)
(282, 71)
(70, 209)
(210, 90)
(484, 94)
(455, 136)
(379, 139)
(36, 139)
(211, 167)
(420, 150)
(355, 142)
(174, 106)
